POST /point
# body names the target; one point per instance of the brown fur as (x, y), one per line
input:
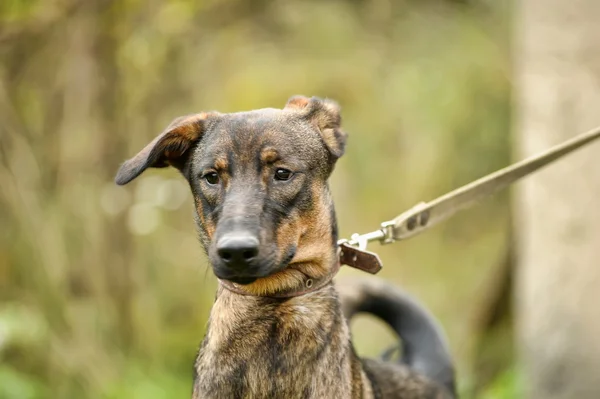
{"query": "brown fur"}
(258, 346)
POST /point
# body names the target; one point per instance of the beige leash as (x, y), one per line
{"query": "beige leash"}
(428, 214)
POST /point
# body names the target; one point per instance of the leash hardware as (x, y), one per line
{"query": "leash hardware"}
(385, 235)
(361, 240)
(387, 228)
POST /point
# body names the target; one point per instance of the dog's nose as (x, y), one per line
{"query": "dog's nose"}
(237, 250)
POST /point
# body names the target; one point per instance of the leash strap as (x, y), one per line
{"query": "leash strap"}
(426, 215)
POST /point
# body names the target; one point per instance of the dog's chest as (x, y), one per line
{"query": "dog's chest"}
(257, 348)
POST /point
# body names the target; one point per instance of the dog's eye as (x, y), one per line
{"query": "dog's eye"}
(211, 178)
(283, 174)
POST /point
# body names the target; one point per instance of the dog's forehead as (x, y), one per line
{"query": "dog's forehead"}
(246, 134)
(261, 122)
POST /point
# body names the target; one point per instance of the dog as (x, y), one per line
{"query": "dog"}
(279, 327)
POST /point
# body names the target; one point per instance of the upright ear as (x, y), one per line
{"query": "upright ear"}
(325, 116)
(171, 148)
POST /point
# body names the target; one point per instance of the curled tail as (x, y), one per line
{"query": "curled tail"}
(424, 348)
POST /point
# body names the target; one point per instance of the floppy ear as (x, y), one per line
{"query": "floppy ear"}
(170, 148)
(325, 116)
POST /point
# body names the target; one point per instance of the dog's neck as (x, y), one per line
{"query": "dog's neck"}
(263, 347)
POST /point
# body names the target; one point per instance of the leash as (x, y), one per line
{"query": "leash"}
(425, 215)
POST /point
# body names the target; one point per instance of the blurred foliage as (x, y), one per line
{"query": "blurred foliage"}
(104, 291)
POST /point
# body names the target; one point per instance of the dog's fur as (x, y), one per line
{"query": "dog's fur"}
(257, 345)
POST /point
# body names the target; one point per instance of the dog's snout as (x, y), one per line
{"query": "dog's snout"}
(237, 250)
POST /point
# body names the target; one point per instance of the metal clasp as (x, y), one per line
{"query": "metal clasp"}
(387, 228)
(361, 240)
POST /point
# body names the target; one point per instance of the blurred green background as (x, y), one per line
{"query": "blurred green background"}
(104, 290)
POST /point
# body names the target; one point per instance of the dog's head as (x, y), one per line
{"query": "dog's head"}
(259, 181)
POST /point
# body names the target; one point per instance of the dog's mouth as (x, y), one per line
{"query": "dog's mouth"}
(243, 280)
(263, 271)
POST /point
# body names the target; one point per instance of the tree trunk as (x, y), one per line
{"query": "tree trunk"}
(557, 90)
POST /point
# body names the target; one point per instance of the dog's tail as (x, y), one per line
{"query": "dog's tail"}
(424, 347)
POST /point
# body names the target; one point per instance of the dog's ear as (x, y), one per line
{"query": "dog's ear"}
(325, 116)
(170, 148)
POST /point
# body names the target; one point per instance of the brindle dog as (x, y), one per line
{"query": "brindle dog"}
(266, 219)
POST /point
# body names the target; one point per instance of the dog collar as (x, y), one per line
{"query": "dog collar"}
(309, 285)
(347, 255)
